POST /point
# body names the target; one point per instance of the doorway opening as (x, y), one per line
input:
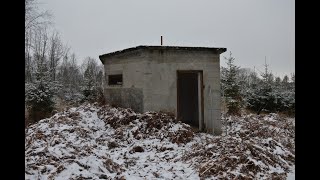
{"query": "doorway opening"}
(190, 97)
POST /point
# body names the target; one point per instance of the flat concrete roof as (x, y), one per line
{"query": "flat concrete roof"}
(217, 50)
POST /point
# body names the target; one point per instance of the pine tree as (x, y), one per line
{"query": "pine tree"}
(288, 95)
(90, 85)
(262, 97)
(293, 78)
(232, 90)
(39, 94)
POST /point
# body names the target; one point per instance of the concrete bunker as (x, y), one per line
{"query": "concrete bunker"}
(181, 80)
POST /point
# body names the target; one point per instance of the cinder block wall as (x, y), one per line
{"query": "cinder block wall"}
(130, 93)
(151, 76)
(160, 88)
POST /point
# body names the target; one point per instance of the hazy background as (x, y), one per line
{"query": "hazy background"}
(250, 29)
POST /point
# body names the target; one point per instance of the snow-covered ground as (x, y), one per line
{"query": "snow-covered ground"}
(93, 142)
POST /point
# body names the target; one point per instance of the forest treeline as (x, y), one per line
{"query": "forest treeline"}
(52, 72)
(256, 91)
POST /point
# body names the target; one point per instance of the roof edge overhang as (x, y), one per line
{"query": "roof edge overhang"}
(216, 50)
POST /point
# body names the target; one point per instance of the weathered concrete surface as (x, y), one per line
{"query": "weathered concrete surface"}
(125, 97)
(160, 88)
(154, 73)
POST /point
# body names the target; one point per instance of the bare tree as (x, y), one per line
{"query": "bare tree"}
(28, 57)
(56, 52)
(34, 18)
(40, 50)
(69, 73)
(75, 74)
(36, 23)
(63, 74)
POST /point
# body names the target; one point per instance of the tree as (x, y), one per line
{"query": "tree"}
(285, 82)
(70, 76)
(278, 80)
(40, 49)
(90, 75)
(285, 79)
(56, 52)
(34, 18)
(263, 93)
(28, 57)
(293, 77)
(264, 97)
(232, 89)
(288, 95)
(36, 23)
(39, 95)
(39, 89)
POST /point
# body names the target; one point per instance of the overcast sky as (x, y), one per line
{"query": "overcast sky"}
(250, 29)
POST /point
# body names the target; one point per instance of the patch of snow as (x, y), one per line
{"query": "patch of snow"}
(176, 127)
(291, 174)
(278, 150)
(85, 142)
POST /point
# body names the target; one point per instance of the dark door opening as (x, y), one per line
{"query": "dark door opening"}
(189, 96)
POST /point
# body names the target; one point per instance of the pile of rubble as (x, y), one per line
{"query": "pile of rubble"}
(102, 142)
(105, 142)
(252, 147)
(151, 124)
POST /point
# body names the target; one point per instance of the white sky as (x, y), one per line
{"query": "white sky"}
(250, 29)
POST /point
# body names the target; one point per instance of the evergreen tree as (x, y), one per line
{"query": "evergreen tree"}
(91, 76)
(249, 91)
(264, 96)
(293, 78)
(39, 94)
(232, 90)
(278, 81)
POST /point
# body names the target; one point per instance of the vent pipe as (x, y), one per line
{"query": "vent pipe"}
(161, 40)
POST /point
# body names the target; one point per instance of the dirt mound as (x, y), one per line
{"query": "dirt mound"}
(103, 142)
(155, 124)
(254, 147)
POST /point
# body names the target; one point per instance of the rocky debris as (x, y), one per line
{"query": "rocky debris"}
(154, 124)
(136, 149)
(113, 144)
(182, 135)
(103, 142)
(251, 149)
